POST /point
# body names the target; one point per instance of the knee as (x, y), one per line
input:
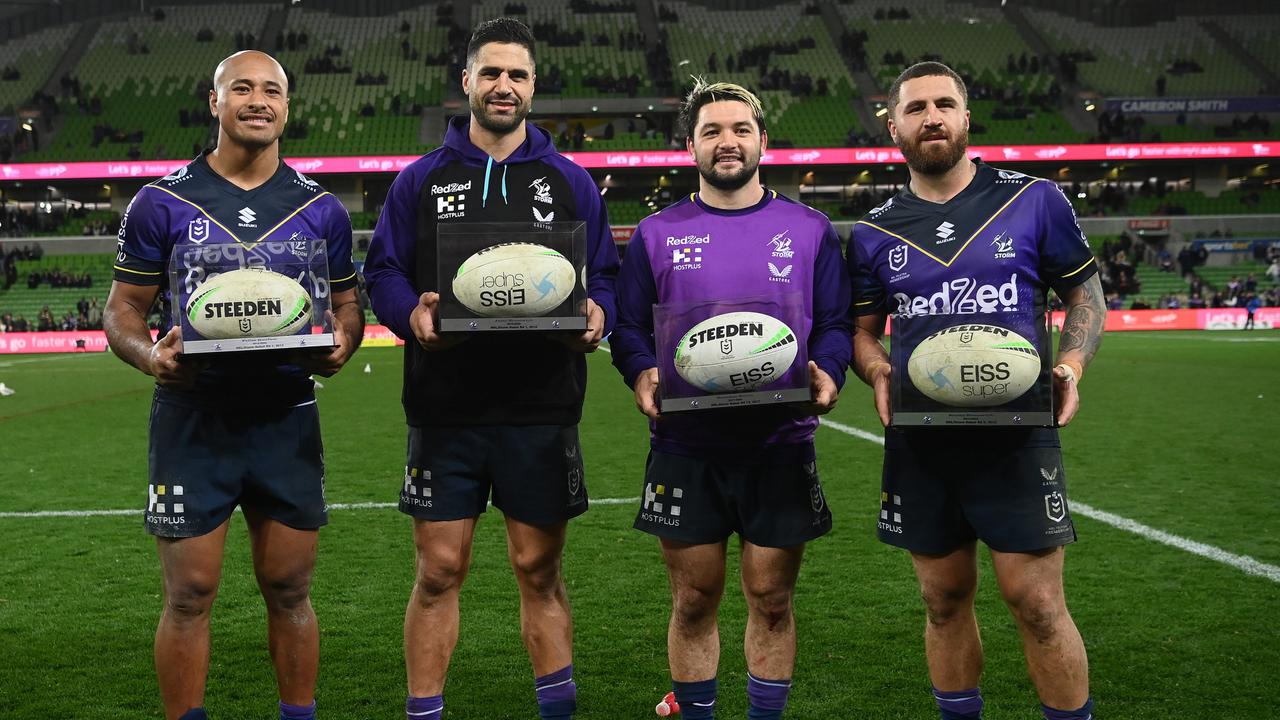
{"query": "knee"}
(537, 573)
(771, 604)
(190, 599)
(1039, 613)
(286, 591)
(438, 575)
(694, 606)
(946, 604)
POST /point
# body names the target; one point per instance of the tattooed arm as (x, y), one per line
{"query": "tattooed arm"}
(1081, 336)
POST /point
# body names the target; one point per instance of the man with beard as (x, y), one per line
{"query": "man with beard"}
(242, 428)
(495, 412)
(964, 237)
(752, 471)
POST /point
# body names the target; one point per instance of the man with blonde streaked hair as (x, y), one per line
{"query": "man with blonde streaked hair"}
(750, 471)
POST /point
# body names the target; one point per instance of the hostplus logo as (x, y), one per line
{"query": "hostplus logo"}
(891, 513)
(686, 253)
(450, 200)
(662, 504)
(945, 232)
(165, 505)
(416, 491)
(248, 218)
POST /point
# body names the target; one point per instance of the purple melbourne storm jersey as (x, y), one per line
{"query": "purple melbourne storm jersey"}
(996, 247)
(692, 252)
(196, 205)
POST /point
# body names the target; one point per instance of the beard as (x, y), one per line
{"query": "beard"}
(934, 159)
(729, 180)
(494, 123)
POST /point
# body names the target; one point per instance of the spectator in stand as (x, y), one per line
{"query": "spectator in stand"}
(1233, 287)
(21, 325)
(1273, 271)
(1251, 307)
(1196, 302)
(45, 321)
(6, 323)
(1251, 284)
(93, 315)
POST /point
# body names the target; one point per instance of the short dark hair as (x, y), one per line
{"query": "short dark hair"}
(704, 92)
(500, 30)
(926, 69)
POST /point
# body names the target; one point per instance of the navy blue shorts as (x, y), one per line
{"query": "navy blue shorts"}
(936, 496)
(206, 461)
(700, 501)
(533, 471)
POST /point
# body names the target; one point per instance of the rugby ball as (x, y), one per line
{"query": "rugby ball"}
(974, 365)
(250, 302)
(514, 280)
(735, 352)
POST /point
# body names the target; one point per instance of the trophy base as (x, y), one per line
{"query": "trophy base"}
(573, 322)
(951, 418)
(732, 400)
(287, 342)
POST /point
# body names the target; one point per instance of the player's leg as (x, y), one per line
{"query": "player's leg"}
(284, 506)
(1031, 584)
(283, 561)
(443, 558)
(546, 625)
(538, 484)
(921, 511)
(780, 506)
(1020, 512)
(696, 575)
(952, 645)
(191, 569)
(768, 583)
(192, 490)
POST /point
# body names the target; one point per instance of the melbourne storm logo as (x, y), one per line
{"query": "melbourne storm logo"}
(1003, 243)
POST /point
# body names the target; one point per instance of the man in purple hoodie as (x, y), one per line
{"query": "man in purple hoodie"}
(495, 411)
(752, 471)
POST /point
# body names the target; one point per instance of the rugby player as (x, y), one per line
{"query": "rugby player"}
(495, 413)
(962, 224)
(237, 430)
(748, 471)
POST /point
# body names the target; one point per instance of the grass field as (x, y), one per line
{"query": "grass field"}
(1178, 432)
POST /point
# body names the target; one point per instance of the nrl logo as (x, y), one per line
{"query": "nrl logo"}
(1055, 506)
(726, 347)
(898, 258)
(198, 230)
(245, 325)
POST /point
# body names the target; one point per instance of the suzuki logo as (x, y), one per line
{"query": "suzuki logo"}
(248, 216)
(946, 230)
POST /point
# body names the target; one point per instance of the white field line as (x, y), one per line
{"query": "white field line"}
(332, 506)
(1243, 563)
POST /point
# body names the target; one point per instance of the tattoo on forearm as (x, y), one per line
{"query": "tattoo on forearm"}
(1082, 330)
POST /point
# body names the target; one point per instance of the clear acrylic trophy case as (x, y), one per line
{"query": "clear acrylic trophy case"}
(731, 353)
(278, 299)
(979, 369)
(512, 276)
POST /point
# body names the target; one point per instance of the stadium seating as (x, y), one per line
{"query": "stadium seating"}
(1257, 33)
(578, 64)
(27, 302)
(34, 56)
(978, 43)
(806, 120)
(331, 103)
(1130, 59)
